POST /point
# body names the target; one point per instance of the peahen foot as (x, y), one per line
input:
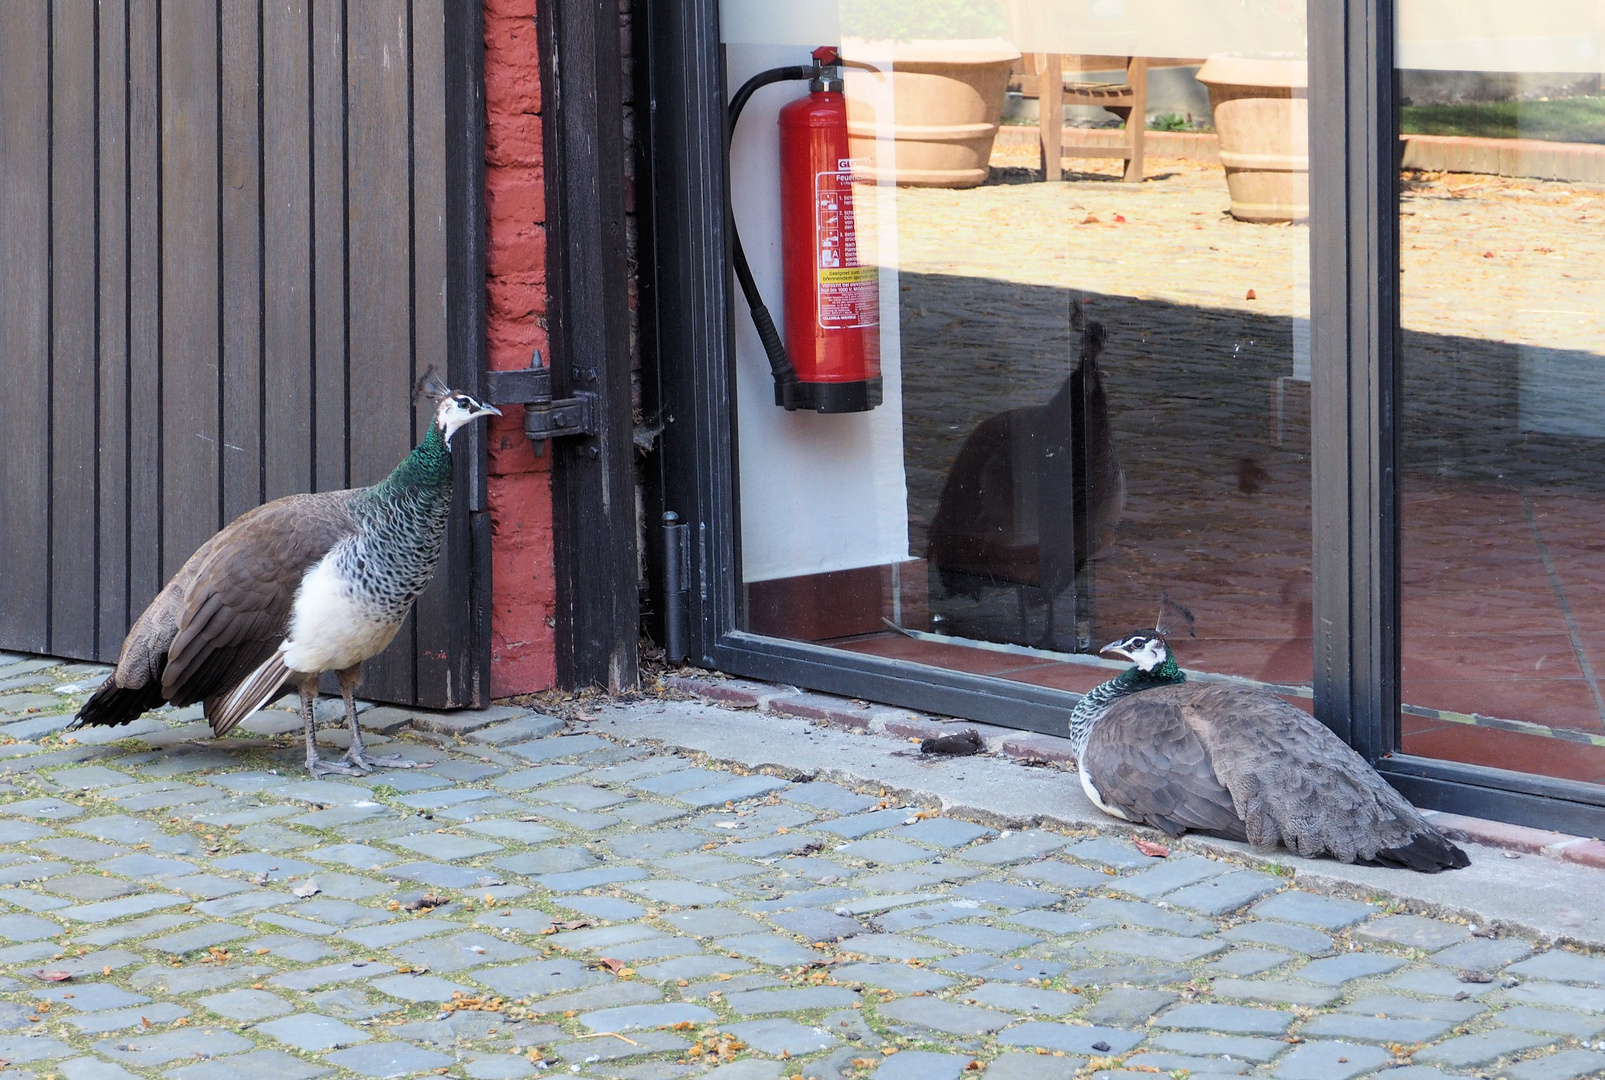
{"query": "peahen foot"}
(362, 761)
(320, 768)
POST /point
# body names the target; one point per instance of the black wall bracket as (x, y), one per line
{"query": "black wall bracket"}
(544, 418)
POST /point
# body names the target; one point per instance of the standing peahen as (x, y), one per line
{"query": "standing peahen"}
(1034, 492)
(299, 586)
(1239, 763)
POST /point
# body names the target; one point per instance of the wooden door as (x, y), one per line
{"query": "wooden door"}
(233, 233)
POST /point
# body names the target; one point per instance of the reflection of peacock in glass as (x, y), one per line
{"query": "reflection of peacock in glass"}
(299, 586)
(1239, 763)
(1034, 492)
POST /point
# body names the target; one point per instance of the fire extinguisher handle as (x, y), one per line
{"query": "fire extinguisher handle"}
(795, 73)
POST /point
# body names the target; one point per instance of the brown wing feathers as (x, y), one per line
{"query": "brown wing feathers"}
(1288, 780)
(1152, 767)
(224, 613)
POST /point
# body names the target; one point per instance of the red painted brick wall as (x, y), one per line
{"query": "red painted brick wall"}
(523, 656)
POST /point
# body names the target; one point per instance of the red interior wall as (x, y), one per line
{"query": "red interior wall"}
(523, 656)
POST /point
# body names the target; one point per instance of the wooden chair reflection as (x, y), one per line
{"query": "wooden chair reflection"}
(1057, 80)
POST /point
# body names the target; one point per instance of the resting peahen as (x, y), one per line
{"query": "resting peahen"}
(1240, 763)
(299, 586)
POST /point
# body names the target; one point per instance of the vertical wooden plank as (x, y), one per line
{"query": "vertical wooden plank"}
(328, 284)
(466, 344)
(25, 325)
(241, 266)
(442, 648)
(72, 338)
(380, 269)
(112, 288)
(191, 490)
(145, 419)
(287, 247)
(588, 316)
(1137, 121)
(1050, 115)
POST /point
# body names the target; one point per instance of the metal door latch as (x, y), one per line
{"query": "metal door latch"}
(544, 418)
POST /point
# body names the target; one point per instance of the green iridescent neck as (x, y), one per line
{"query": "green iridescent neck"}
(1095, 702)
(425, 471)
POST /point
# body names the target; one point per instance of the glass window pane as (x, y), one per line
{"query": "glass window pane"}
(1052, 394)
(1502, 226)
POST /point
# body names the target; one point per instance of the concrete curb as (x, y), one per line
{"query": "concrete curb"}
(1030, 747)
(1530, 882)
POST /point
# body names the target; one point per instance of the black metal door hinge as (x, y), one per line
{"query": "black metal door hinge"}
(544, 418)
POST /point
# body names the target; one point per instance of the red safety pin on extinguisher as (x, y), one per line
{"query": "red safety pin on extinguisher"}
(829, 361)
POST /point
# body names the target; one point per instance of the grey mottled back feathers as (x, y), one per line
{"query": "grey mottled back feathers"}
(1195, 754)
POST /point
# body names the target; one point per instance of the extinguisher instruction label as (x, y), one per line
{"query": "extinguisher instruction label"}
(848, 292)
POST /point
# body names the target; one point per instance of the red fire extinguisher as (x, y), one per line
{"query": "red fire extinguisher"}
(830, 359)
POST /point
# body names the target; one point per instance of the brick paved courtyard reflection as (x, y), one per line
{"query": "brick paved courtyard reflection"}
(1503, 501)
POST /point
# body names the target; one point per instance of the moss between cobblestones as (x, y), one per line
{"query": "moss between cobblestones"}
(135, 966)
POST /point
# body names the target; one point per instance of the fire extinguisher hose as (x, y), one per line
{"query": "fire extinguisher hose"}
(779, 363)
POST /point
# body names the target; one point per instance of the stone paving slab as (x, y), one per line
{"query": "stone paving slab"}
(483, 922)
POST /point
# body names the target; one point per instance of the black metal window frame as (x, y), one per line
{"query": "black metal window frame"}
(688, 354)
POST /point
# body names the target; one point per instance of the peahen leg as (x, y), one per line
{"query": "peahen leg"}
(316, 765)
(350, 679)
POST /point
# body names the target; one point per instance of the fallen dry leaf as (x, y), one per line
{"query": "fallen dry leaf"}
(1090, 219)
(53, 976)
(611, 964)
(1152, 850)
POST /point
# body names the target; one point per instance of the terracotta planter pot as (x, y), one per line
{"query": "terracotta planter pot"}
(1262, 112)
(946, 102)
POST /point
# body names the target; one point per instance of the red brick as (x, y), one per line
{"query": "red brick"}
(512, 251)
(1498, 834)
(510, 348)
(1588, 853)
(730, 691)
(517, 298)
(836, 711)
(916, 727)
(515, 195)
(523, 649)
(503, 9)
(513, 139)
(523, 658)
(1033, 746)
(511, 451)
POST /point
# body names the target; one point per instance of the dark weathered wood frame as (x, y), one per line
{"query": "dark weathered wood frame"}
(230, 237)
(588, 323)
(1354, 301)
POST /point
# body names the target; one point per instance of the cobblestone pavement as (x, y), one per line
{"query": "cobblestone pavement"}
(543, 900)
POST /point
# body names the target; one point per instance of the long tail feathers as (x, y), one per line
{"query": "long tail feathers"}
(112, 705)
(1427, 852)
(261, 687)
